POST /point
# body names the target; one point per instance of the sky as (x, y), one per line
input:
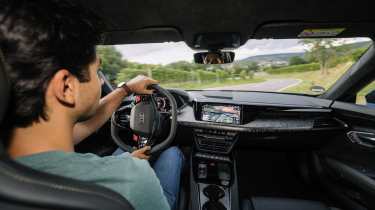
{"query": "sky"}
(169, 52)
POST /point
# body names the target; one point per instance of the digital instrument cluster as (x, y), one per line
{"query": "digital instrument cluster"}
(163, 104)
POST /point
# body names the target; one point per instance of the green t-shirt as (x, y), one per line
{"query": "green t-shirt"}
(131, 177)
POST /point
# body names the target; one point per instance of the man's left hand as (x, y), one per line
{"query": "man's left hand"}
(140, 84)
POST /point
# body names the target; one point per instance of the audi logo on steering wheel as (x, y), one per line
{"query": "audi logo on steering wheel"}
(141, 117)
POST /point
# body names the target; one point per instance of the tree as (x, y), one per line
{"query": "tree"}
(243, 74)
(253, 66)
(184, 65)
(296, 60)
(321, 50)
(237, 69)
(250, 74)
(221, 75)
(112, 61)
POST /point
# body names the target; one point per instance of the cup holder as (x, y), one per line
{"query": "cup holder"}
(213, 205)
(214, 194)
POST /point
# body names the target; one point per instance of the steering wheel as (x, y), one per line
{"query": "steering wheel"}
(146, 123)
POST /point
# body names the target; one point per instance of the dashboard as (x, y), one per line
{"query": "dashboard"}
(217, 121)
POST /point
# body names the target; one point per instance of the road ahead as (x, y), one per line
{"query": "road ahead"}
(272, 85)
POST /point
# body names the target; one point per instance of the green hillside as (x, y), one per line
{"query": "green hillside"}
(270, 57)
(284, 57)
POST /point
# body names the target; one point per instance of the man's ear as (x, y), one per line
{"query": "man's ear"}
(64, 87)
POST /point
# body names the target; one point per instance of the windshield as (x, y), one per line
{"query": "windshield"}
(302, 66)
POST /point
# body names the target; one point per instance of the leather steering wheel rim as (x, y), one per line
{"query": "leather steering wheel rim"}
(163, 144)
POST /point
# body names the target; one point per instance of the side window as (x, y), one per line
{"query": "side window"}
(366, 96)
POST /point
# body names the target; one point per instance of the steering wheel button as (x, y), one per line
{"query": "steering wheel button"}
(137, 99)
(135, 138)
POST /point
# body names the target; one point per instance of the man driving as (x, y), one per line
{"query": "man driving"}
(50, 50)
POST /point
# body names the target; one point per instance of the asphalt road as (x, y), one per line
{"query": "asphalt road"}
(271, 85)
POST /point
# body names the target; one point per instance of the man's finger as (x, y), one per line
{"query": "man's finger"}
(148, 92)
(144, 149)
(152, 81)
(145, 157)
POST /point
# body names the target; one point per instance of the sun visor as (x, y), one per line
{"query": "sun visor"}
(313, 30)
(148, 35)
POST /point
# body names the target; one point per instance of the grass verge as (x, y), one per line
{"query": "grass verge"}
(311, 78)
(361, 94)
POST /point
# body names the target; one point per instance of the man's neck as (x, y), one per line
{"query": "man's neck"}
(51, 135)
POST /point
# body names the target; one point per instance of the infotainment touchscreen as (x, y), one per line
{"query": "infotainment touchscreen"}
(221, 113)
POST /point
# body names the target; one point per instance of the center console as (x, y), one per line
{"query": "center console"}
(213, 178)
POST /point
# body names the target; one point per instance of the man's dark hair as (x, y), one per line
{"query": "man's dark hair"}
(39, 37)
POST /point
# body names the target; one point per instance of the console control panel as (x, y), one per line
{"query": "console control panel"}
(214, 169)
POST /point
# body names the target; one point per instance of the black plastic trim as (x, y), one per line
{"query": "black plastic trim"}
(353, 176)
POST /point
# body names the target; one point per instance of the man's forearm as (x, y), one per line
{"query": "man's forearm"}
(107, 106)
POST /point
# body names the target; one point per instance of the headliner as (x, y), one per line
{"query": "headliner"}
(148, 21)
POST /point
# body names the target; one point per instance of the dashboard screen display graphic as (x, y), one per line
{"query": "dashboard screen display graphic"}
(221, 114)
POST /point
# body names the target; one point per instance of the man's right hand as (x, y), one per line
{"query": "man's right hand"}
(142, 153)
(140, 84)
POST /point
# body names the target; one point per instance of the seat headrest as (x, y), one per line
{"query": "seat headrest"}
(4, 87)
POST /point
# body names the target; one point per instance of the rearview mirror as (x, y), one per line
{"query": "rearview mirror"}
(216, 57)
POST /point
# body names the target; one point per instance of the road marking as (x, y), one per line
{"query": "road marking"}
(284, 88)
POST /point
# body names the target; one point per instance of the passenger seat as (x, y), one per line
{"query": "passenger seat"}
(265, 203)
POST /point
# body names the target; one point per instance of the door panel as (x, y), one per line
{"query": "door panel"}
(366, 139)
(348, 160)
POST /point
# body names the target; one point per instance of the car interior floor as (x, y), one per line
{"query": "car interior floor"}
(273, 174)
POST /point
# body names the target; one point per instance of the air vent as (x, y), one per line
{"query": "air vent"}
(327, 123)
(215, 140)
(213, 147)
